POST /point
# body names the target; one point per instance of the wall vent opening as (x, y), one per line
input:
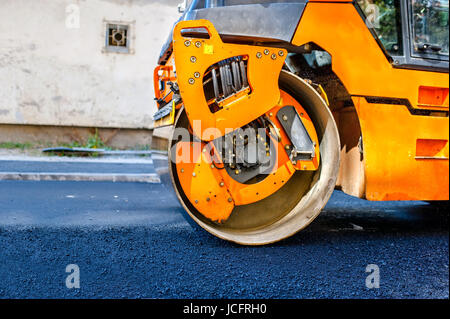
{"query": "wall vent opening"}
(118, 38)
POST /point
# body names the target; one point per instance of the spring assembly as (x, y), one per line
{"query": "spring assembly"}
(229, 76)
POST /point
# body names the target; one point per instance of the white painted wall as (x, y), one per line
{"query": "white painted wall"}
(54, 75)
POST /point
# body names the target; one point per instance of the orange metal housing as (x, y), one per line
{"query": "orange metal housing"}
(194, 56)
(394, 139)
(214, 193)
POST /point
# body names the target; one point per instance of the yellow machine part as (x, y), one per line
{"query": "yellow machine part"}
(166, 120)
(203, 185)
(192, 59)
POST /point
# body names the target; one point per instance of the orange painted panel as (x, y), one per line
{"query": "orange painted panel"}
(431, 148)
(433, 96)
(395, 168)
(263, 72)
(202, 184)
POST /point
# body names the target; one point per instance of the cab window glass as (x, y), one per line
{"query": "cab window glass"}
(384, 17)
(430, 26)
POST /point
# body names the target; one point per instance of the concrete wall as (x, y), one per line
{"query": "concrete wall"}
(53, 72)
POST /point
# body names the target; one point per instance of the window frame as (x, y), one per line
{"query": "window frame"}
(414, 53)
(129, 48)
(406, 59)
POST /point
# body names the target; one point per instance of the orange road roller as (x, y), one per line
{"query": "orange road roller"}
(265, 107)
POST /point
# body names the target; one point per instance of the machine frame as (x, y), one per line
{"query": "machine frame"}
(391, 110)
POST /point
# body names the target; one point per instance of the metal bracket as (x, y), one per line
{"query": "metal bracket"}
(302, 147)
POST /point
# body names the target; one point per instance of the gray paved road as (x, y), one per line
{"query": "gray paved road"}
(76, 167)
(130, 240)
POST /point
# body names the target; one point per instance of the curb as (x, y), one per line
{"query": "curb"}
(105, 160)
(80, 177)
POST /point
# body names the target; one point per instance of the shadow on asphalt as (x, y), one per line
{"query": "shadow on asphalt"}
(351, 225)
(373, 221)
(346, 218)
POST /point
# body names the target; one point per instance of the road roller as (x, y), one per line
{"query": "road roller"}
(264, 108)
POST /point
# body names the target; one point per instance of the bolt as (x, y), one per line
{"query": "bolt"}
(197, 75)
(198, 44)
(273, 56)
(187, 43)
(266, 52)
(193, 174)
(182, 170)
(285, 118)
(259, 55)
(193, 59)
(221, 184)
(196, 201)
(281, 53)
(270, 114)
(287, 147)
(236, 172)
(191, 81)
(208, 199)
(230, 199)
(305, 167)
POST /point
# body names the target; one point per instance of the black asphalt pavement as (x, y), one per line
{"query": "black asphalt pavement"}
(130, 240)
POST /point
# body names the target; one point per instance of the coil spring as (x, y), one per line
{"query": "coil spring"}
(231, 79)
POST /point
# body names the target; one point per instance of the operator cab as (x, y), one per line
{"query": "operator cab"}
(413, 33)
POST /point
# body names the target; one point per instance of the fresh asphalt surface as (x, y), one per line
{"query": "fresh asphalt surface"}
(130, 240)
